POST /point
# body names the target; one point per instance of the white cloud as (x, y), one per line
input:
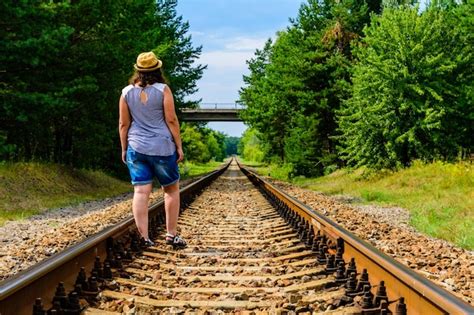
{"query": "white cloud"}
(226, 64)
(245, 43)
(196, 33)
(225, 59)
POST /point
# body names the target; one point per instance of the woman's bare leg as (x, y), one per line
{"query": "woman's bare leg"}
(140, 208)
(172, 207)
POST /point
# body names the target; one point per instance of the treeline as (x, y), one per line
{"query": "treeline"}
(363, 83)
(63, 65)
(202, 144)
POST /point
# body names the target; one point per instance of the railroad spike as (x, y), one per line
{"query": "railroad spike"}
(330, 266)
(81, 278)
(78, 289)
(60, 295)
(107, 271)
(340, 244)
(323, 249)
(93, 287)
(128, 257)
(401, 307)
(74, 307)
(367, 298)
(56, 308)
(315, 247)
(292, 218)
(380, 295)
(118, 262)
(384, 308)
(98, 267)
(38, 308)
(351, 267)
(110, 257)
(302, 234)
(339, 255)
(363, 280)
(119, 249)
(341, 273)
(298, 225)
(351, 285)
(296, 220)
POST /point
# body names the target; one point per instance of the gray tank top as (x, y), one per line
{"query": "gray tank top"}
(148, 134)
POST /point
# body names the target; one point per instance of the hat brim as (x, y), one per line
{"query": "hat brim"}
(158, 66)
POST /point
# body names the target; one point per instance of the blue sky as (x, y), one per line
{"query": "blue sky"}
(230, 31)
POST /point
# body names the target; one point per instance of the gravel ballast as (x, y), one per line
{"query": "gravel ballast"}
(27, 242)
(388, 229)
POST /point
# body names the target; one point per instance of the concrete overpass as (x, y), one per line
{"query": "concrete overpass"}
(213, 112)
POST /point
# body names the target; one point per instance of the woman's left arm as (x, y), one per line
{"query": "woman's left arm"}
(124, 125)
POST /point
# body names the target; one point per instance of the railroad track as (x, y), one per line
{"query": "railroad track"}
(252, 250)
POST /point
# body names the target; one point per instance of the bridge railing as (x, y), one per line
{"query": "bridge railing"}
(221, 106)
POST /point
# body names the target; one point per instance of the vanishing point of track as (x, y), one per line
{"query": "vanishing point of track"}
(252, 250)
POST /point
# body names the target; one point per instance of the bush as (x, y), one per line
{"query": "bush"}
(412, 90)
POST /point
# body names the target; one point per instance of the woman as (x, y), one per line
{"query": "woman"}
(151, 144)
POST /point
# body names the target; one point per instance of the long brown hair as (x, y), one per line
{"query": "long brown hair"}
(147, 78)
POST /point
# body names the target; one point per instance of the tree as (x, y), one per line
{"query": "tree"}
(250, 147)
(231, 144)
(64, 64)
(412, 92)
(193, 145)
(297, 83)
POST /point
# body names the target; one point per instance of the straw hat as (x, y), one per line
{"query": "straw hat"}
(147, 62)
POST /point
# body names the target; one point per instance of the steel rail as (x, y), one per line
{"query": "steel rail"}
(421, 295)
(18, 293)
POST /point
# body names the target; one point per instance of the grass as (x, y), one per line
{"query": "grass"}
(439, 196)
(259, 165)
(191, 169)
(31, 188)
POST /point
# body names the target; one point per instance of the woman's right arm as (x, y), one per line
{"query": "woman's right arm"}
(172, 121)
(124, 125)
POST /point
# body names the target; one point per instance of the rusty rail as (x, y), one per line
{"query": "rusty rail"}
(405, 292)
(404, 287)
(18, 293)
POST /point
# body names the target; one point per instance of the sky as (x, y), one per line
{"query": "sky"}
(229, 32)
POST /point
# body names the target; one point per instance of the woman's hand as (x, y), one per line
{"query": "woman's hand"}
(124, 157)
(180, 154)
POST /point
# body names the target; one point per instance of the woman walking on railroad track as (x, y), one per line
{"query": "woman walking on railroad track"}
(151, 144)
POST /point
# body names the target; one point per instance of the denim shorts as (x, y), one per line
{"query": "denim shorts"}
(143, 167)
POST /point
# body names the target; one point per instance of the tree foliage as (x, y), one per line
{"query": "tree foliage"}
(364, 83)
(202, 144)
(231, 144)
(63, 65)
(297, 83)
(412, 91)
(250, 147)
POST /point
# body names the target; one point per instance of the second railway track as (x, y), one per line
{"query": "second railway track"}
(252, 249)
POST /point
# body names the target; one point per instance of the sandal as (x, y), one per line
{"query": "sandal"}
(176, 241)
(146, 242)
